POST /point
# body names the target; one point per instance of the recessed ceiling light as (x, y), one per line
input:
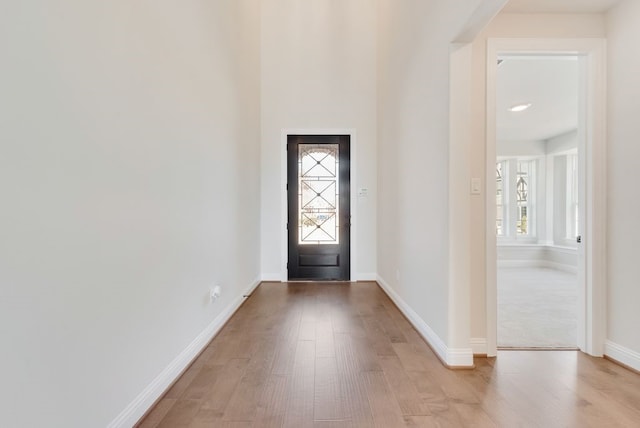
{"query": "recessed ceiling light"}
(520, 107)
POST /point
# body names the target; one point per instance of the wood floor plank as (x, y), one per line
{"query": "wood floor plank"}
(346, 423)
(346, 319)
(473, 415)
(426, 386)
(273, 404)
(377, 337)
(420, 422)
(202, 383)
(181, 414)
(367, 354)
(307, 330)
(411, 403)
(246, 397)
(355, 354)
(217, 398)
(384, 407)
(409, 358)
(299, 411)
(389, 326)
(356, 398)
(347, 360)
(204, 419)
(286, 349)
(178, 388)
(329, 397)
(325, 346)
(493, 401)
(229, 348)
(155, 416)
(454, 388)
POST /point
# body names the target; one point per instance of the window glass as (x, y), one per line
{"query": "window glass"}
(500, 167)
(523, 178)
(572, 197)
(318, 196)
(515, 201)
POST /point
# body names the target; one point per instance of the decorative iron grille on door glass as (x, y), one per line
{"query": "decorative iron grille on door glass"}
(318, 194)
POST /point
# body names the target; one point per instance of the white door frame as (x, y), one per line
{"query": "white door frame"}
(284, 256)
(592, 298)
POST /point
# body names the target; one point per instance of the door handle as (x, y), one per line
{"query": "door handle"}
(579, 239)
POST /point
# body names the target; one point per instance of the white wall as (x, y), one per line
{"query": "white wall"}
(318, 71)
(562, 143)
(520, 148)
(537, 256)
(413, 151)
(129, 161)
(506, 26)
(623, 175)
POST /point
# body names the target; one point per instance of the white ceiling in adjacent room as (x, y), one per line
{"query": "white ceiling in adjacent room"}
(549, 84)
(559, 6)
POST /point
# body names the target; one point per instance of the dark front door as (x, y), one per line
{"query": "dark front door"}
(318, 184)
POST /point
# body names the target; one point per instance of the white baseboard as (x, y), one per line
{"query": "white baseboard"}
(536, 263)
(271, 277)
(518, 263)
(622, 355)
(452, 357)
(460, 358)
(139, 406)
(366, 277)
(478, 345)
(561, 267)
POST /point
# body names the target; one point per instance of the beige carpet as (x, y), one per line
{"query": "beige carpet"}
(536, 308)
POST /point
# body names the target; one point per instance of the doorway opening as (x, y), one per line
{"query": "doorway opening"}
(538, 127)
(591, 165)
(318, 207)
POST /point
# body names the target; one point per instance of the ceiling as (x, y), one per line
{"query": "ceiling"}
(558, 6)
(550, 84)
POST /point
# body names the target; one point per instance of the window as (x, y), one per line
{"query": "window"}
(523, 180)
(515, 183)
(571, 230)
(500, 199)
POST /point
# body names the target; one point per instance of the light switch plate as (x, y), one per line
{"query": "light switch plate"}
(475, 186)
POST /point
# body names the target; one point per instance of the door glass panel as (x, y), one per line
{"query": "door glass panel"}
(318, 194)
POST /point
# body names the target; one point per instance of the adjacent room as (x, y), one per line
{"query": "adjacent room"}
(537, 200)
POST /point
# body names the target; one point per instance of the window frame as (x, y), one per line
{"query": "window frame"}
(510, 200)
(565, 232)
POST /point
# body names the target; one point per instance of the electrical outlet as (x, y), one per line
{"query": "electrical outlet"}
(215, 293)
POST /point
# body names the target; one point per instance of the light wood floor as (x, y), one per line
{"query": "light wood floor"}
(341, 355)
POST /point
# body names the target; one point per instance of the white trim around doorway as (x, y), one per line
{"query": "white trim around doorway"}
(592, 310)
(283, 202)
